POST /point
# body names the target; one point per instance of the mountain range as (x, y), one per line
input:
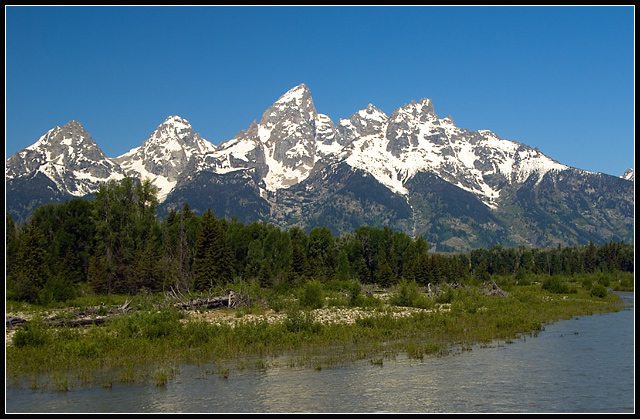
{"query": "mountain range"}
(411, 171)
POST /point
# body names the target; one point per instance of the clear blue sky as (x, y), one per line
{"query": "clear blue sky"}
(557, 78)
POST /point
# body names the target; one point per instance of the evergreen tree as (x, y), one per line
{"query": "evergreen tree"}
(31, 271)
(255, 257)
(590, 259)
(97, 275)
(212, 260)
(298, 260)
(342, 272)
(11, 244)
(384, 274)
(277, 251)
(320, 253)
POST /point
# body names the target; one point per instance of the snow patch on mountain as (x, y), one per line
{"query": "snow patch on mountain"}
(285, 146)
(69, 157)
(165, 155)
(415, 140)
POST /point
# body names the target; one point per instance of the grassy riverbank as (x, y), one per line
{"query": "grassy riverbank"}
(322, 324)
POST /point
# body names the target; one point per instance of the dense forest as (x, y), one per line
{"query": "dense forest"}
(116, 243)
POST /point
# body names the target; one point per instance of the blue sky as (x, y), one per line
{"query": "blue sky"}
(557, 78)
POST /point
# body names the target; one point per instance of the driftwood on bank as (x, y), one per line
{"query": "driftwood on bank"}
(228, 298)
(491, 289)
(85, 317)
(12, 322)
(456, 285)
(15, 322)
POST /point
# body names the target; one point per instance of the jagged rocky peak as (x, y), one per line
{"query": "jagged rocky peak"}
(421, 110)
(403, 126)
(166, 154)
(70, 146)
(178, 130)
(366, 121)
(289, 127)
(70, 136)
(172, 139)
(172, 127)
(628, 175)
(295, 106)
(68, 156)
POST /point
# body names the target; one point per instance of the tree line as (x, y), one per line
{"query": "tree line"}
(115, 243)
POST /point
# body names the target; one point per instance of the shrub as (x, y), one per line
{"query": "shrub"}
(277, 302)
(604, 279)
(301, 320)
(445, 297)
(555, 285)
(312, 295)
(57, 288)
(354, 290)
(31, 334)
(368, 301)
(197, 333)
(150, 325)
(408, 295)
(598, 290)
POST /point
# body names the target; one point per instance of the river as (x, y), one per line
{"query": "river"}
(585, 364)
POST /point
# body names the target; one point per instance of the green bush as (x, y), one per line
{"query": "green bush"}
(57, 288)
(277, 301)
(604, 279)
(445, 297)
(555, 285)
(364, 300)
(354, 291)
(598, 290)
(197, 333)
(301, 321)
(312, 295)
(31, 334)
(408, 295)
(587, 283)
(151, 325)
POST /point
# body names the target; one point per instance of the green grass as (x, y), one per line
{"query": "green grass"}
(146, 345)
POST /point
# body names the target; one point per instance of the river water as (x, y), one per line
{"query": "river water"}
(585, 364)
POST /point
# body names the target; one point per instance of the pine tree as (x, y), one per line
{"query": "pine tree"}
(31, 270)
(342, 267)
(255, 256)
(212, 264)
(384, 273)
(590, 258)
(298, 260)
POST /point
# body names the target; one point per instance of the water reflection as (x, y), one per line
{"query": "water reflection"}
(585, 364)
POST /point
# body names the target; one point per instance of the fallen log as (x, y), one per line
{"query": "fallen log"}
(229, 298)
(86, 317)
(78, 322)
(457, 284)
(13, 322)
(493, 290)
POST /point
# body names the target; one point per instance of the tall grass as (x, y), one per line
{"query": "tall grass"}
(147, 343)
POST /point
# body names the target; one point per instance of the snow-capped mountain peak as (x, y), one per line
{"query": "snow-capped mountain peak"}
(415, 140)
(410, 170)
(67, 141)
(285, 146)
(165, 155)
(628, 175)
(68, 156)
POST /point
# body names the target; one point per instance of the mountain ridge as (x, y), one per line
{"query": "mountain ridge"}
(288, 154)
